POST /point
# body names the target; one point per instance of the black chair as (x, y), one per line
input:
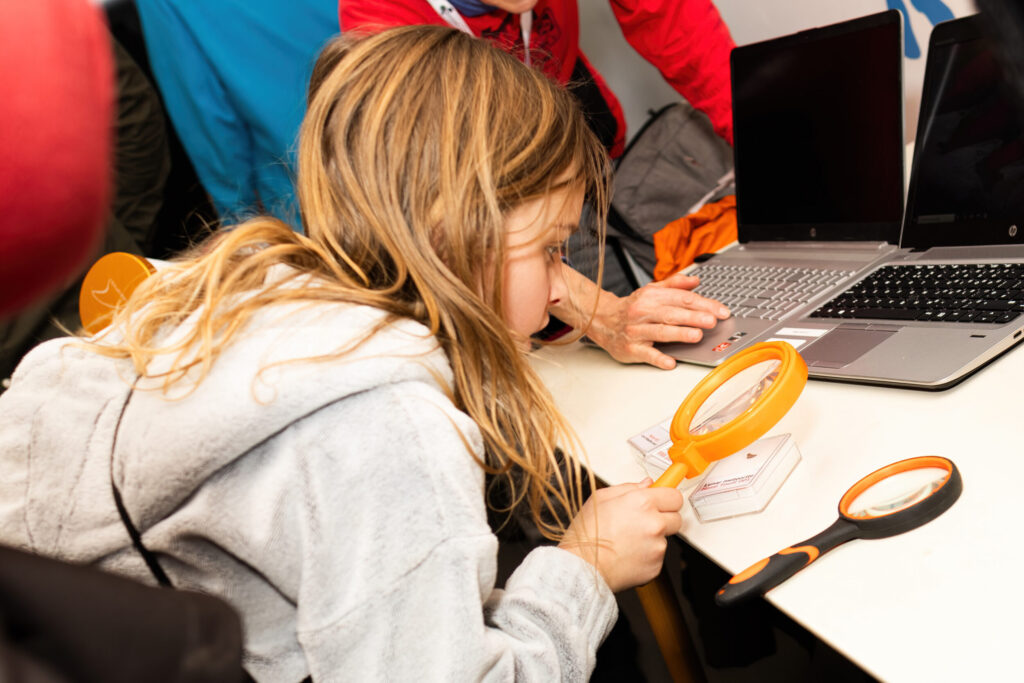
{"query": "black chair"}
(63, 622)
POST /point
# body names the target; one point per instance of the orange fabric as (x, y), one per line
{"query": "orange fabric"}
(706, 230)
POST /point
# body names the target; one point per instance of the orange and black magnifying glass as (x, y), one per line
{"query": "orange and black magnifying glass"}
(890, 501)
(732, 407)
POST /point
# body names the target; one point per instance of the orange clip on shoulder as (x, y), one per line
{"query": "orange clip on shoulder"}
(107, 285)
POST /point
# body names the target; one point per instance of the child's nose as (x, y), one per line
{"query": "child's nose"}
(556, 285)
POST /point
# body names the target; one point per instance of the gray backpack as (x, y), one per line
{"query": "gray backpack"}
(673, 165)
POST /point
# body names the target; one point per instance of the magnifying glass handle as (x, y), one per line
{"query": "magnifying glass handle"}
(671, 477)
(761, 577)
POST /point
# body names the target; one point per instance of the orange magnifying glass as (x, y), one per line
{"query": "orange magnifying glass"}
(732, 407)
(889, 501)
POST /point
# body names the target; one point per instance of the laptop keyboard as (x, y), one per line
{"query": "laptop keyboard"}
(974, 293)
(767, 292)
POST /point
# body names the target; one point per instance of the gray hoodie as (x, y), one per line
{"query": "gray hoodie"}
(334, 504)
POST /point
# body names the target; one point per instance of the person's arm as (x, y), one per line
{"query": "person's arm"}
(399, 565)
(218, 142)
(358, 15)
(689, 43)
(627, 327)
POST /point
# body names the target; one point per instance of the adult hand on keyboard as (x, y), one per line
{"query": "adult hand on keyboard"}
(667, 311)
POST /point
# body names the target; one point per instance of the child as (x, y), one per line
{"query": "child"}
(303, 425)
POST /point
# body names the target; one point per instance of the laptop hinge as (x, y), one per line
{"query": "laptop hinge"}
(818, 246)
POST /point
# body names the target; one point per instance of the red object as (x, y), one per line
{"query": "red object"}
(56, 124)
(686, 39)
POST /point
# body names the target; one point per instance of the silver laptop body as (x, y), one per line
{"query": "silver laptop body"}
(963, 229)
(818, 140)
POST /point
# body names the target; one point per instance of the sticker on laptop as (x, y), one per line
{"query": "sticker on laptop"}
(807, 332)
(797, 343)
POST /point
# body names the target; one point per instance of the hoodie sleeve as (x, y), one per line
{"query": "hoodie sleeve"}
(399, 564)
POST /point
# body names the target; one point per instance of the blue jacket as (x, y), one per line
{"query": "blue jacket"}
(233, 75)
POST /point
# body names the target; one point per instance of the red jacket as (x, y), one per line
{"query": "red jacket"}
(685, 39)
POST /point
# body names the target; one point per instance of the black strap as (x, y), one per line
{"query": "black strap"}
(150, 559)
(613, 245)
(596, 111)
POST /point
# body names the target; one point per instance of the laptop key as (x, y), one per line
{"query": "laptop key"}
(883, 313)
(993, 305)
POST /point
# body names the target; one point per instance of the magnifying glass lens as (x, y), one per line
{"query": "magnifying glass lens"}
(735, 396)
(897, 492)
(732, 407)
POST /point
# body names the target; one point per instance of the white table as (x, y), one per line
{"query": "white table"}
(940, 603)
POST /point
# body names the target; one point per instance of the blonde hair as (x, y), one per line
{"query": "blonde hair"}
(417, 143)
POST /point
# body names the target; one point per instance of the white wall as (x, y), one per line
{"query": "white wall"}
(640, 87)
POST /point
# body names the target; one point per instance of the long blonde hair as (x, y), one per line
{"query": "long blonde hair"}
(417, 143)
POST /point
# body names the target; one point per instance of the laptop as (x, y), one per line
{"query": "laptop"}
(951, 298)
(818, 145)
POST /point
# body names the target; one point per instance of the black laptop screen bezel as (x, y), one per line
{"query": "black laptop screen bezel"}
(821, 231)
(962, 231)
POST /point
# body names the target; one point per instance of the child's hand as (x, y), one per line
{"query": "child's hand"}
(627, 543)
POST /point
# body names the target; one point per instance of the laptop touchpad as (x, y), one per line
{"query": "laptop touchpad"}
(842, 346)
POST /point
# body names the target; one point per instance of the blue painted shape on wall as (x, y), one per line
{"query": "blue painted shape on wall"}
(910, 46)
(935, 10)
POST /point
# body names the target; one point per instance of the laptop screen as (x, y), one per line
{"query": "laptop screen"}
(969, 154)
(818, 130)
